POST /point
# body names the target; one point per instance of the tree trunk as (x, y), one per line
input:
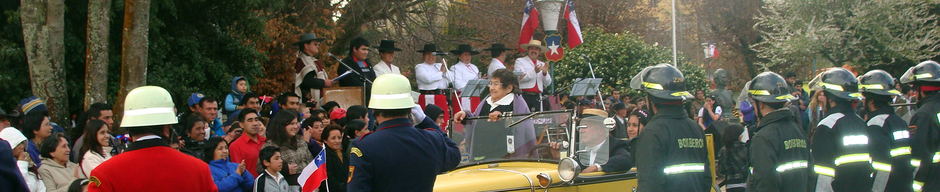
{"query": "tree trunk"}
(43, 28)
(134, 49)
(96, 55)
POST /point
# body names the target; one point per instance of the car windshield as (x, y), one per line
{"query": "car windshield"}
(593, 141)
(521, 136)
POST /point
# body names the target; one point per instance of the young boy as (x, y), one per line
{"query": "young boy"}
(270, 178)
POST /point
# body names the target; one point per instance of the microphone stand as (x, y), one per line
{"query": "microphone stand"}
(598, 90)
(361, 77)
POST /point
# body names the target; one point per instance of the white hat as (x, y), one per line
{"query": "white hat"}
(13, 136)
(148, 105)
(391, 91)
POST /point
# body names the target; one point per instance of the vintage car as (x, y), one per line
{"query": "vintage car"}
(489, 163)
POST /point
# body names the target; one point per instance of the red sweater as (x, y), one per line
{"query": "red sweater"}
(246, 149)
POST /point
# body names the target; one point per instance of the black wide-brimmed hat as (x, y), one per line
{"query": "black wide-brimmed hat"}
(498, 47)
(464, 48)
(308, 38)
(429, 48)
(387, 45)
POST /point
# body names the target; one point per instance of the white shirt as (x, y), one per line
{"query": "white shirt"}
(383, 68)
(701, 112)
(461, 73)
(594, 151)
(495, 64)
(525, 65)
(429, 76)
(506, 100)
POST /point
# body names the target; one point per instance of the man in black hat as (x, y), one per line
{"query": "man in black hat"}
(431, 79)
(387, 50)
(498, 52)
(6, 119)
(461, 73)
(309, 74)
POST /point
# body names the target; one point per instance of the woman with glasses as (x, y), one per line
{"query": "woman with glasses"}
(504, 97)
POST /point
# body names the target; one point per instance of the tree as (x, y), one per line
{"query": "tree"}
(730, 25)
(96, 58)
(134, 48)
(43, 28)
(875, 34)
(617, 66)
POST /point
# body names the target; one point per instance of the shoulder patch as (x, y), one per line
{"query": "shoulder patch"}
(356, 151)
(94, 180)
(830, 120)
(878, 120)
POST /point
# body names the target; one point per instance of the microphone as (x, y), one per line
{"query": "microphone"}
(333, 56)
(440, 53)
(585, 57)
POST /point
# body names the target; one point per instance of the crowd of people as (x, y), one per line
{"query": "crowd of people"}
(247, 142)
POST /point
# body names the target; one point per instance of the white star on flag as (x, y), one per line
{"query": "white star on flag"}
(554, 48)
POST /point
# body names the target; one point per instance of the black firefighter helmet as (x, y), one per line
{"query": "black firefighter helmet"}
(662, 81)
(768, 87)
(925, 72)
(839, 82)
(877, 82)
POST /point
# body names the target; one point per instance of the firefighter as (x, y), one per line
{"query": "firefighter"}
(148, 163)
(840, 144)
(671, 148)
(925, 130)
(778, 152)
(398, 156)
(890, 146)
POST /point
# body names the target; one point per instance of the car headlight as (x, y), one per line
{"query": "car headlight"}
(544, 180)
(568, 169)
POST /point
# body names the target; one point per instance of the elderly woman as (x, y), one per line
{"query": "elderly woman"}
(57, 172)
(504, 97)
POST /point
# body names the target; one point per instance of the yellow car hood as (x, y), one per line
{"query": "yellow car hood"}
(496, 176)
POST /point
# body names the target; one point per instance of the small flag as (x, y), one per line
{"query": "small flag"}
(314, 173)
(530, 21)
(574, 28)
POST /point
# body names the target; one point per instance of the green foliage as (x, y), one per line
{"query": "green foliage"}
(617, 57)
(869, 34)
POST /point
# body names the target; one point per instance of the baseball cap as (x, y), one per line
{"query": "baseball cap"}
(195, 98)
(337, 113)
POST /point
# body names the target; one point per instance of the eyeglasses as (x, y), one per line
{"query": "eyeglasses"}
(493, 83)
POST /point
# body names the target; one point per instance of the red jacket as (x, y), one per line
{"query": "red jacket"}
(150, 165)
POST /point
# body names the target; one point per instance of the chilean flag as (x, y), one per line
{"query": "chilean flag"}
(530, 21)
(314, 173)
(574, 28)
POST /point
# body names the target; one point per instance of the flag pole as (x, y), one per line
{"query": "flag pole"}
(674, 57)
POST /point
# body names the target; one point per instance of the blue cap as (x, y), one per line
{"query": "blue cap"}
(32, 103)
(195, 98)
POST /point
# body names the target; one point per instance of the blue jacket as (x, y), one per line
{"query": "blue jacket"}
(747, 111)
(226, 179)
(33, 150)
(10, 176)
(232, 100)
(379, 159)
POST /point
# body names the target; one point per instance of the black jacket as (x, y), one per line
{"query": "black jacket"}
(619, 160)
(620, 129)
(354, 80)
(337, 171)
(671, 153)
(893, 149)
(841, 153)
(779, 154)
(925, 144)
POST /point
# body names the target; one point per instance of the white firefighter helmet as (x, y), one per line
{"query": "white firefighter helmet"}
(147, 106)
(391, 91)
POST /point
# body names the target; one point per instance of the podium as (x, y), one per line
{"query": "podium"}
(344, 96)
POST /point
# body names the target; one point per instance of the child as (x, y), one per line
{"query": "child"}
(733, 159)
(270, 178)
(232, 101)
